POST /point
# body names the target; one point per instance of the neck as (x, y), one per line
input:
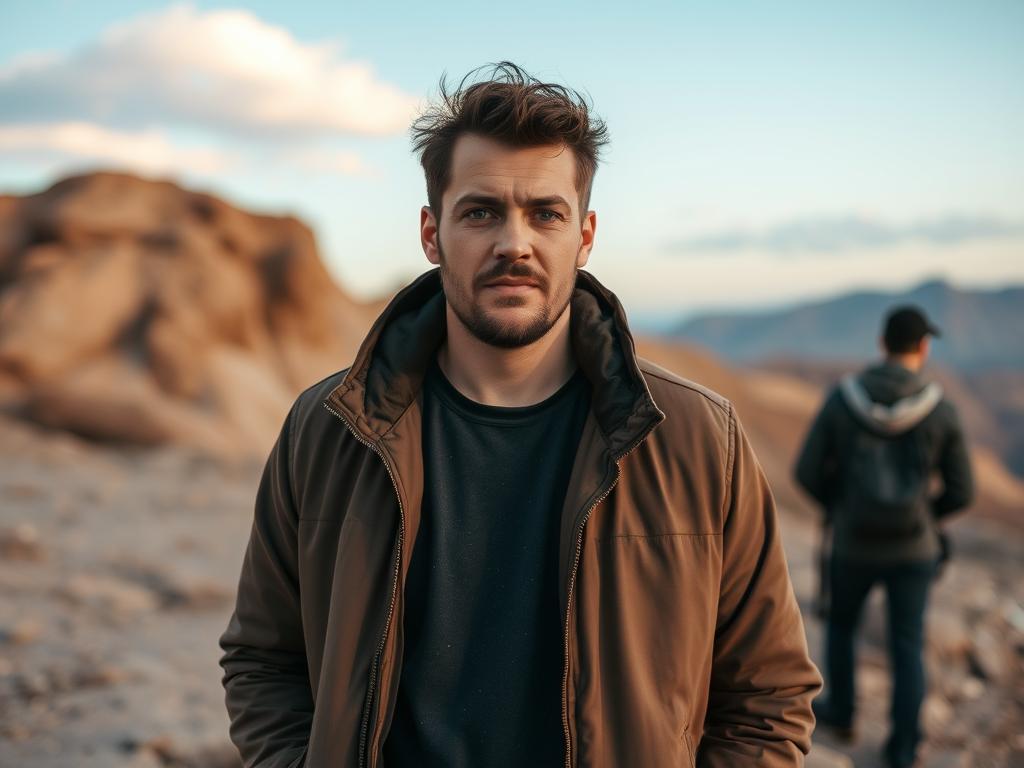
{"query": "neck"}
(911, 362)
(507, 377)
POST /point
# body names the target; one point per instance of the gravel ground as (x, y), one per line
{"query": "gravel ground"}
(118, 570)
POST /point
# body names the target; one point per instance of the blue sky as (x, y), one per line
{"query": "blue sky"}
(761, 152)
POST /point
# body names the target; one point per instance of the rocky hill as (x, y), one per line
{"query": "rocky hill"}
(139, 312)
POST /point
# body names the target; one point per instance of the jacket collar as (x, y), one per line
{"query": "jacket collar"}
(388, 370)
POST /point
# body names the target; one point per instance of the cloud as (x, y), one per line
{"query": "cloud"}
(224, 70)
(843, 234)
(317, 160)
(151, 151)
(78, 142)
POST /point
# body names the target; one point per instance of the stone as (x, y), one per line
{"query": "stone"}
(105, 593)
(988, 654)
(823, 757)
(936, 713)
(21, 632)
(21, 542)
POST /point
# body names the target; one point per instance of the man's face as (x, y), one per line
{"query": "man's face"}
(509, 238)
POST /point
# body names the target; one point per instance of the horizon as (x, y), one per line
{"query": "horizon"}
(654, 321)
(799, 151)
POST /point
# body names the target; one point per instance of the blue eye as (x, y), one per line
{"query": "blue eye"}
(472, 214)
(548, 216)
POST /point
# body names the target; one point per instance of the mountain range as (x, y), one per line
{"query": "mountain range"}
(981, 329)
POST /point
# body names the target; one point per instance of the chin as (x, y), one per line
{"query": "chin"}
(508, 329)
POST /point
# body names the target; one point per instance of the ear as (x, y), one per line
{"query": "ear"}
(587, 230)
(881, 345)
(428, 235)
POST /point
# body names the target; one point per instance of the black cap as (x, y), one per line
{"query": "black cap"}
(905, 326)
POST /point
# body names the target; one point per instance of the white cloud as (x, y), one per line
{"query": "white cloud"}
(325, 161)
(224, 70)
(850, 234)
(75, 142)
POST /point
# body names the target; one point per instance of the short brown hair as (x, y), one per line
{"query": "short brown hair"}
(512, 107)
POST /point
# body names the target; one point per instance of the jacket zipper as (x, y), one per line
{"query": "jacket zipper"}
(572, 583)
(367, 708)
(394, 590)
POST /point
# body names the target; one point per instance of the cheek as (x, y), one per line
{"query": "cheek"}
(458, 258)
(461, 240)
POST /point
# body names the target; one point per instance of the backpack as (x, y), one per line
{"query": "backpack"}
(886, 479)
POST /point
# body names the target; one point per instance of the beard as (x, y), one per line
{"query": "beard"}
(487, 325)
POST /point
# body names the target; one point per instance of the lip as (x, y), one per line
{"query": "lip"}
(512, 283)
(511, 289)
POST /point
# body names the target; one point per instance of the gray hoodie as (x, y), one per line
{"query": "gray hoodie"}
(890, 400)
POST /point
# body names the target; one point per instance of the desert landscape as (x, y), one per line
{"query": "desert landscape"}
(151, 340)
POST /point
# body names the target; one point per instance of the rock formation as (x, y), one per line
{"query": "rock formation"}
(139, 312)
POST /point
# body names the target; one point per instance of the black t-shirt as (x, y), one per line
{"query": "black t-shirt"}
(481, 678)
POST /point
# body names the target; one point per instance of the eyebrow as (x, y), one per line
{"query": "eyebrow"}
(496, 202)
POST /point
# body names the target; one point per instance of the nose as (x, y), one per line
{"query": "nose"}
(513, 241)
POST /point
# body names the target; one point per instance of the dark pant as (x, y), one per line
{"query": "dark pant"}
(906, 587)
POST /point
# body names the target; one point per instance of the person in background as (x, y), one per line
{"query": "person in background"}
(869, 459)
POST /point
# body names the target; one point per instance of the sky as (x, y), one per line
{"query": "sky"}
(761, 153)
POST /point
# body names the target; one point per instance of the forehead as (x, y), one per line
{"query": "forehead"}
(481, 164)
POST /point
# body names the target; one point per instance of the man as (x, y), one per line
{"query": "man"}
(868, 459)
(500, 538)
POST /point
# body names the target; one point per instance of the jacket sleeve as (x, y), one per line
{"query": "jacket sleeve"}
(816, 467)
(955, 468)
(762, 677)
(266, 683)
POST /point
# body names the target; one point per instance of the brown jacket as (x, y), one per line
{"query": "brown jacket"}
(683, 641)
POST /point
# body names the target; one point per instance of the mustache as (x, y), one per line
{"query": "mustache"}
(511, 269)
